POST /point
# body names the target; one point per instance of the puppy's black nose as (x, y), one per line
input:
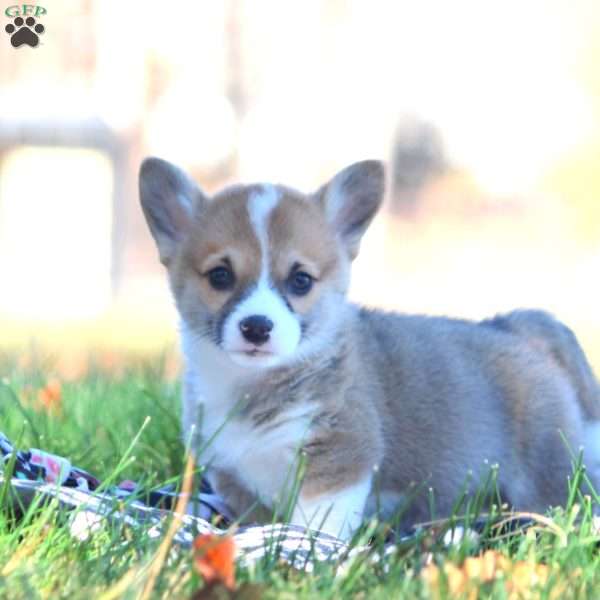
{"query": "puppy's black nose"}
(256, 329)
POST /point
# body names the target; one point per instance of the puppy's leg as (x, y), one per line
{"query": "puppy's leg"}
(243, 505)
(341, 459)
(337, 513)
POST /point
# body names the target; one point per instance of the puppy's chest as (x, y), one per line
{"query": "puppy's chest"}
(257, 442)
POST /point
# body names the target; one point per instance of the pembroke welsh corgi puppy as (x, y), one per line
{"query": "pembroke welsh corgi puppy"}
(380, 412)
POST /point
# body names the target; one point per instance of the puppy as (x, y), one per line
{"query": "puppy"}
(283, 376)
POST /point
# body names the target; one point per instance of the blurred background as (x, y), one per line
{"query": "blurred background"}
(487, 113)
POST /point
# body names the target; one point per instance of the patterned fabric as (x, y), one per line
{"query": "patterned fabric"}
(40, 466)
(34, 472)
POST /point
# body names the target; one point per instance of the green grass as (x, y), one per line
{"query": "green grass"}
(102, 414)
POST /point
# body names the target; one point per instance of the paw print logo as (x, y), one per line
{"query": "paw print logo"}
(24, 32)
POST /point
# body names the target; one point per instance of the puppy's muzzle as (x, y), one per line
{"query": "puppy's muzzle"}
(256, 329)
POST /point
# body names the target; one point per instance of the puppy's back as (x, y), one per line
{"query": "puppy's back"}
(548, 335)
(458, 396)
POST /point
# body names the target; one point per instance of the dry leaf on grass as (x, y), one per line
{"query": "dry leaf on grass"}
(214, 559)
(50, 397)
(521, 578)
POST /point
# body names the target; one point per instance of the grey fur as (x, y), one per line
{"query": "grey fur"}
(434, 402)
(407, 402)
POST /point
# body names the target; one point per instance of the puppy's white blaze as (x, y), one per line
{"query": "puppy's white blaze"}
(338, 514)
(260, 206)
(264, 300)
(284, 337)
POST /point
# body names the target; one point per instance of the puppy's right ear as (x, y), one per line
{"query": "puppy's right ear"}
(168, 197)
(351, 200)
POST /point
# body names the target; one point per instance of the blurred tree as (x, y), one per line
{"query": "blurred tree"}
(418, 157)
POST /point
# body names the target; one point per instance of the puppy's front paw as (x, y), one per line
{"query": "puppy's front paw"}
(337, 513)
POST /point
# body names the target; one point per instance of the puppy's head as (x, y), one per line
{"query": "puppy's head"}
(260, 271)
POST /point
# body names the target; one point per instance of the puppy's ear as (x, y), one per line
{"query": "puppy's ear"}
(351, 199)
(168, 197)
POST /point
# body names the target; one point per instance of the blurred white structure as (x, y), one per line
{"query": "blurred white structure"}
(292, 92)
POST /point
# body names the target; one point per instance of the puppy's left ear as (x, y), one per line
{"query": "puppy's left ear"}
(351, 199)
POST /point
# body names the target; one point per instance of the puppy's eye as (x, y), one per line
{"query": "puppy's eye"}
(300, 283)
(221, 278)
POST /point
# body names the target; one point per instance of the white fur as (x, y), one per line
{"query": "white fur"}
(324, 335)
(209, 379)
(260, 207)
(264, 300)
(264, 459)
(335, 201)
(338, 514)
(284, 337)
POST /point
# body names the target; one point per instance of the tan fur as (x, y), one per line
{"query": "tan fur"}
(555, 339)
(229, 236)
(387, 403)
(298, 233)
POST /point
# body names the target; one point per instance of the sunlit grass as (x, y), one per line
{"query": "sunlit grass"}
(101, 415)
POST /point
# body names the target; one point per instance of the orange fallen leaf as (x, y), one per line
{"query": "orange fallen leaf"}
(214, 559)
(50, 397)
(457, 582)
(521, 579)
(487, 566)
(524, 577)
(456, 579)
(474, 568)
